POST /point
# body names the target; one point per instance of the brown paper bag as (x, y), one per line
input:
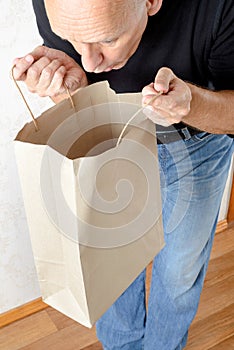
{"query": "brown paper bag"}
(93, 208)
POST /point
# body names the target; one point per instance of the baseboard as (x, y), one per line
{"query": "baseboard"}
(221, 226)
(21, 312)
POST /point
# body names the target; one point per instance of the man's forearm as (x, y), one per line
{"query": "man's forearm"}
(211, 111)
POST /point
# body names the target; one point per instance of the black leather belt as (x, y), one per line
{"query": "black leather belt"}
(176, 135)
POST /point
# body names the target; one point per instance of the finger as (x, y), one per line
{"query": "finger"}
(164, 102)
(57, 84)
(21, 66)
(163, 79)
(159, 121)
(72, 83)
(148, 90)
(157, 118)
(39, 52)
(75, 78)
(47, 75)
(175, 104)
(34, 73)
(52, 54)
(148, 93)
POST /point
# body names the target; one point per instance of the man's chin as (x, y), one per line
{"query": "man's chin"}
(119, 66)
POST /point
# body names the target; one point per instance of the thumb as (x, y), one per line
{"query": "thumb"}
(163, 79)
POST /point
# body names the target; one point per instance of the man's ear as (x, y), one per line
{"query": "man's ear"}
(153, 6)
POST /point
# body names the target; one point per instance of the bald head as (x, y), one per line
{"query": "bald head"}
(77, 5)
(106, 32)
(64, 15)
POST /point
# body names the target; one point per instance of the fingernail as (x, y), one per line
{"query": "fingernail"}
(160, 88)
(28, 59)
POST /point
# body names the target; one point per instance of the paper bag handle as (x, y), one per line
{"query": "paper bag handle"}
(135, 114)
(29, 109)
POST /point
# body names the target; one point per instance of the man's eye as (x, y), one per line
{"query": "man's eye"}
(109, 42)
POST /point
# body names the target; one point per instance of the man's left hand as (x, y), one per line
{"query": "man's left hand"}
(174, 104)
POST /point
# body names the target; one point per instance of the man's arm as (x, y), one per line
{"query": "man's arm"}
(211, 111)
(207, 110)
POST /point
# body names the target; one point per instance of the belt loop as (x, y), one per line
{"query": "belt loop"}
(186, 133)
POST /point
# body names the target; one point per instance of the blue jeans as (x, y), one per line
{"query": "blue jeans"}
(193, 176)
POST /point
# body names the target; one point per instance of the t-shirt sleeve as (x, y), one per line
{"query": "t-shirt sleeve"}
(221, 60)
(50, 39)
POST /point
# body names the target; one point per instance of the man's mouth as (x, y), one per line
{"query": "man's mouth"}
(108, 69)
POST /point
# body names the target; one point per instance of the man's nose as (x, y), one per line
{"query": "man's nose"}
(91, 57)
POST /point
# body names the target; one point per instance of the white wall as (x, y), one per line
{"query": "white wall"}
(18, 35)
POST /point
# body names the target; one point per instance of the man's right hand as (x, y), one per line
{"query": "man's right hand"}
(47, 71)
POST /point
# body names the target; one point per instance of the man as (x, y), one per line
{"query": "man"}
(174, 47)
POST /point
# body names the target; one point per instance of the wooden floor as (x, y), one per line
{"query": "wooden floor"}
(213, 327)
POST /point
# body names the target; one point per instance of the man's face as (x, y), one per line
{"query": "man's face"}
(105, 33)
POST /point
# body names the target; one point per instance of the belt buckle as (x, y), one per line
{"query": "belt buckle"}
(186, 133)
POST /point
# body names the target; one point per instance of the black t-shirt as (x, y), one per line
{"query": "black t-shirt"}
(195, 38)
